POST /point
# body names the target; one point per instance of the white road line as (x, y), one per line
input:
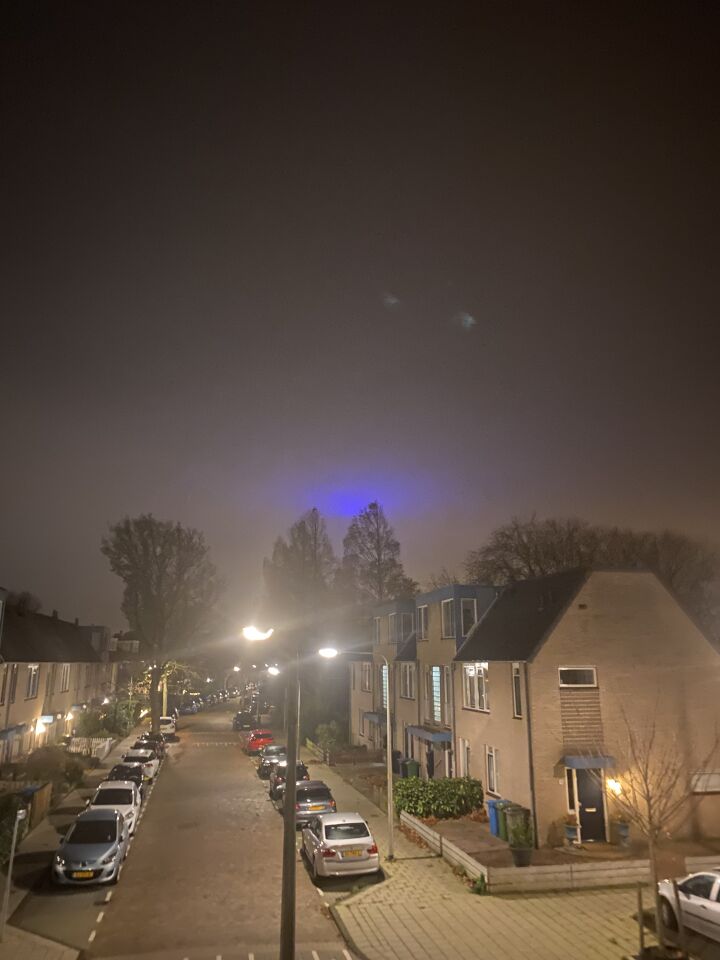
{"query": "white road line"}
(100, 916)
(346, 954)
(92, 936)
(108, 896)
(315, 955)
(251, 956)
(318, 891)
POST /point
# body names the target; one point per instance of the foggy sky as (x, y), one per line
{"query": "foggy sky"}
(258, 258)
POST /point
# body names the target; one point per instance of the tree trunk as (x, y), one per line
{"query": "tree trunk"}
(155, 704)
(659, 928)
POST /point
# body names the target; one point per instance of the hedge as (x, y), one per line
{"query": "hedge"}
(443, 798)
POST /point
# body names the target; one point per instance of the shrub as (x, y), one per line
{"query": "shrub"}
(9, 803)
(444, 798)
(54, 764)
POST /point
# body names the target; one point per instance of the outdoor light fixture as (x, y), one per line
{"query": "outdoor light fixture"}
(236, 669)
(273, 671)
(208, 680)
(328, 652)
(39, 727)
(614, 786)
(105, 700)
(69, 716)
(252, 633)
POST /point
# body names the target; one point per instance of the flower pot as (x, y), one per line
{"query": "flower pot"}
(622, 833)
(521, 856)
(571, 832)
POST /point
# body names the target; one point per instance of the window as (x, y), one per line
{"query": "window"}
(708, 782)
(570, 789)
(435, 687)
(3, 683)
(377, 629)
(383, 676)
(447, 683)
(366, 682)
(516, 690)
(468, 613)
(352, 676)
(407, 681)
(493, 783)
(448, 618)
(406, 626)
(392, 628)
(361, 723)
(701, 886)
(13, 681)
(422, 630)
(476, 694)
(577, 676)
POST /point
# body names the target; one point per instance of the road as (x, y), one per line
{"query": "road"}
(202, 879)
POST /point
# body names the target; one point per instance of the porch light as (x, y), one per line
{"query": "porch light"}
(39, 727)
(69, 715)
(614, 786)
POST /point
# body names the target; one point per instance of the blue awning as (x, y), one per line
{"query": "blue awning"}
(14, 731)
(588, 763)
(372, 717)
(432, 736)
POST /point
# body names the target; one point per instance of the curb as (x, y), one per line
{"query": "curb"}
(345, 934)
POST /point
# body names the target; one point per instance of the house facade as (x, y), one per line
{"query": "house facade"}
(50, 670)
(557, 677)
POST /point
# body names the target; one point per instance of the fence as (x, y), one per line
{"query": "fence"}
(98, 747)
(39, 795)
(561, 876)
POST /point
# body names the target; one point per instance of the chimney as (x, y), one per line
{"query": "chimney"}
(55, 614)
(77, 621)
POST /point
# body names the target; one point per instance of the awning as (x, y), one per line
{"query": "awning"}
(431, 736)
(372, 717)
(588, 763)
(14, 731)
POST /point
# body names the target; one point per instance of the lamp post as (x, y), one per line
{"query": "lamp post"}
(330, 652)
(20, 815)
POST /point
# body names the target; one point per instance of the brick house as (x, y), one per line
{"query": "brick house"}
(50, 669)
(549, 681)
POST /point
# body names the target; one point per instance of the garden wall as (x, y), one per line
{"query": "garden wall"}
(570, 876)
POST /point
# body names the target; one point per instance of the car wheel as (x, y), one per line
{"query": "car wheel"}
(668, 915)
(313, 871)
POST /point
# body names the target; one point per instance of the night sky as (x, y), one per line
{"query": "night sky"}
(256, 257)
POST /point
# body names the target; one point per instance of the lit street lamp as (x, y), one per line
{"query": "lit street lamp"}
(19, 817)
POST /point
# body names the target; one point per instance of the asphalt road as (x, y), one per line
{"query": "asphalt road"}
(202, 879)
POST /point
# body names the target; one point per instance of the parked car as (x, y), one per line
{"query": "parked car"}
(338, 844)
(168, 726)
(153, 741)
(120, 795)
(257, 740)
(278, 775)
(148, 758)
(699, 906)
(243, 720)
(269, 756)
(187, 709)
(93, 849)
(312, 800)
(128, 771)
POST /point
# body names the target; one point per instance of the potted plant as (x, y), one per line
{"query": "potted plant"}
(521, 843)
(621, 829)
(572, 828)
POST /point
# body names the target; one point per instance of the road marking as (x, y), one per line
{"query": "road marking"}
(92, 936)
(318, 891)
(108, 896)
(347, 955)
(100, 916)
(315, 955)
(251, 956)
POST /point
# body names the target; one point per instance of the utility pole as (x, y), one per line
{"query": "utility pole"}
(20, 815)
(287, 906)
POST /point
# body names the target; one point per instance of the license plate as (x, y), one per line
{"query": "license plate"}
(81, 874)
(317, 806)
(352, 853)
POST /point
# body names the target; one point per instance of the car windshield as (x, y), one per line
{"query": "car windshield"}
(143, 758)
(345, 831)
(274, 751)
(127, 772)
(312, 794)
(93, 831)
(113, 797)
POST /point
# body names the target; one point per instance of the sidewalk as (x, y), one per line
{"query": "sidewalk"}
(33, 860)
(424, 911)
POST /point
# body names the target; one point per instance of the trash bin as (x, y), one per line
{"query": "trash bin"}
(402, 767)
(413, 767)
(396, 758)
(501, 806)
(490, 805)
(516, 816)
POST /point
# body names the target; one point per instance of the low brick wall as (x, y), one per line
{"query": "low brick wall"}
(563, 876)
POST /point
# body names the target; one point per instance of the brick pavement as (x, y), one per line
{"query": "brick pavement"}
(425, 911)
(21, 945)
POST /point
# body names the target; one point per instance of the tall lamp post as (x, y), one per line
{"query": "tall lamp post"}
(330, 652)
(20, 815)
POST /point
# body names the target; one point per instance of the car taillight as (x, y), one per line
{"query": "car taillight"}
(297, 806)
(333, 805)
(329, 853)
(373, 848)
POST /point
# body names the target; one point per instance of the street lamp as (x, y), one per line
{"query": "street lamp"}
(273, 671)
(329, 653)
(20, 815)
(252, 633)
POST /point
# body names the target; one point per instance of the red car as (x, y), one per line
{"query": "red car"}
(257, 739)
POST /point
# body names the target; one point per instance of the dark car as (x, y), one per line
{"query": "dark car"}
(313, 799)
(278, 775)
(158, 741)
(269, 756)
(127, 771)
(243, 720)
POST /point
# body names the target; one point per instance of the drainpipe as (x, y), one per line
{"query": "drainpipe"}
(531, 764)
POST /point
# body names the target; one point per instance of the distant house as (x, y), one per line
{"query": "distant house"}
(553, 675)
(50, 670)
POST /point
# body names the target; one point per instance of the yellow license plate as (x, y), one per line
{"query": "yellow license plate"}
(353, 853)
(317, 806)
(82, 874)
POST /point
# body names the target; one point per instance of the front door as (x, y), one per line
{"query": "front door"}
(591, 805)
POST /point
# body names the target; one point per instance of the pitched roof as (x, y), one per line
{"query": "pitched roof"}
(408, 649)
(517, 623)
(36, 637)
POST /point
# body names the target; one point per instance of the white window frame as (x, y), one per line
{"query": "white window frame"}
(577, 686)
(65, 677)
(33, 681)
(448, 605)
(384, 678)
(436, 685)
(706, 782)
(376, 621)
(463, 601)
(366, 677)
(361, 723)
(476, 686)
(407, 681)
(517, 691)
(392, 628)
(491, 761)
(446, 696)
(422, 622)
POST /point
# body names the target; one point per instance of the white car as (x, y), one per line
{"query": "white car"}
(120, 795)
(339, 844)
(167, 725)
(149, 760)
(699, 905)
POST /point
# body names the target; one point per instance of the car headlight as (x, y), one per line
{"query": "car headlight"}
(60, 861)
(109, 858)
(129, 816)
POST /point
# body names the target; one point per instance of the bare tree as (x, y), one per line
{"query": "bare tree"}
(300, 571)
(371, 558)
(170, 589)
(442, 579)
(655, 779)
